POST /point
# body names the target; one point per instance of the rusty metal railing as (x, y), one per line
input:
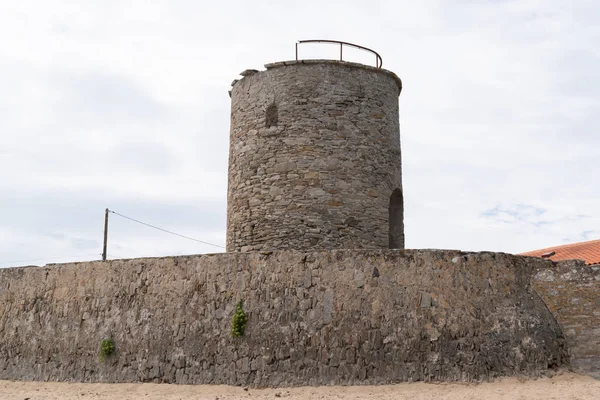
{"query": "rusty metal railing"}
(378, 59)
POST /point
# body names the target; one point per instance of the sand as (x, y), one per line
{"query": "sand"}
(563, 387)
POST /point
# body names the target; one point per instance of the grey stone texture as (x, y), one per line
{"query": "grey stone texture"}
(320, 317)
(571, 291)
(314, 158)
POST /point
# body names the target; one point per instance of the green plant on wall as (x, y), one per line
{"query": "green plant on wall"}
(238, 323)
(107, 348)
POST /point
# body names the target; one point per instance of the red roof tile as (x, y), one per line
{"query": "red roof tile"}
(586, 251)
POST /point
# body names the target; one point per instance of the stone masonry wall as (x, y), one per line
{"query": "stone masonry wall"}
(572, 292)
(332, 317)
(314, 157)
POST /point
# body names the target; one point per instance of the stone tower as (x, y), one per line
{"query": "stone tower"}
(314, 159)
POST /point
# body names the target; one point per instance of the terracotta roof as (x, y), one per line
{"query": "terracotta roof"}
(586, 251)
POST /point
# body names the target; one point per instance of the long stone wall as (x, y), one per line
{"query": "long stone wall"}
(331, 317)
(572, 292)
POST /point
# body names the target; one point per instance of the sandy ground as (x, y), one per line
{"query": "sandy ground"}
(563, 387)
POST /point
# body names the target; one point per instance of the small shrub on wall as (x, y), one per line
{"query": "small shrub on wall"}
(107, 348)
(238, 322)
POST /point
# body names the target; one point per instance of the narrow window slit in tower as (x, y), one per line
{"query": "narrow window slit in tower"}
(272, 116)
(396, 221)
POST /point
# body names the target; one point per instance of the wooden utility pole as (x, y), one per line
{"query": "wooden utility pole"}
(105, 234)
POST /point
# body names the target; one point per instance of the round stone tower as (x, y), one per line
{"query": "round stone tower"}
(314, 159)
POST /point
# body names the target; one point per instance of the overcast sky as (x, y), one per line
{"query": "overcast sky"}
(123, 104)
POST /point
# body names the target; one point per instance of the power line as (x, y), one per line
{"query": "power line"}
(51, 258)
(164, 230)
